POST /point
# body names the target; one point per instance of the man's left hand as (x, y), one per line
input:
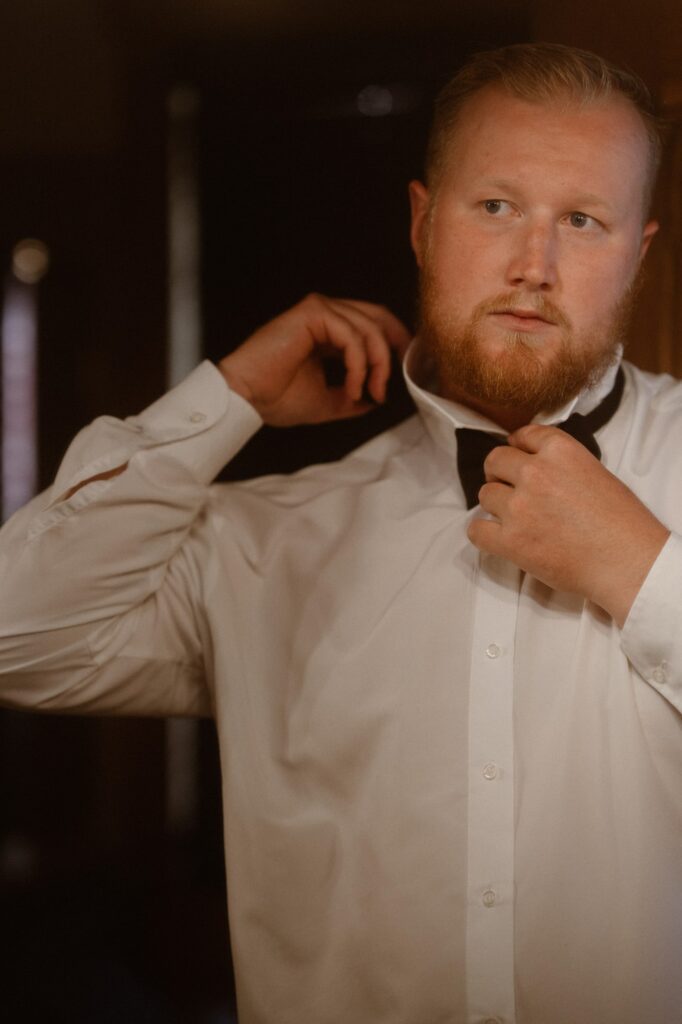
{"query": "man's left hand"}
(560, 515)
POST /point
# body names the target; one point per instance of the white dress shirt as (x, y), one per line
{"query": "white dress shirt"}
(452, 795)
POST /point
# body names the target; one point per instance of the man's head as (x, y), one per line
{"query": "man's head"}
(532, 226)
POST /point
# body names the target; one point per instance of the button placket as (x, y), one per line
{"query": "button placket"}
(490, 933)
(489, 898)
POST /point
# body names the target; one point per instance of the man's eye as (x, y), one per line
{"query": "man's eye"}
(494, 205)
(580, 220)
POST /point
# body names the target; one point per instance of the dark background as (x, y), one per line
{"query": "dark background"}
(107, 912)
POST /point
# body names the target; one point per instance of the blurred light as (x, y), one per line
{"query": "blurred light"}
(183, 101)
(184, 351)
(30, 260)
(394, 99)
(19, 396)
(375, 101)
(185, 344)
(18, 859)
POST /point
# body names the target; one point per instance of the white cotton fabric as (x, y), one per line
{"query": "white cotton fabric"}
(452, 795)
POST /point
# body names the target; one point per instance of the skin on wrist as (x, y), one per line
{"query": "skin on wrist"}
(234, 380)
(620, 588)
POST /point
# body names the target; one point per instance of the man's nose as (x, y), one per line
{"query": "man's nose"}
(533, 260)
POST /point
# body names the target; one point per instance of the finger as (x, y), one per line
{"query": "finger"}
(395, 330)
(379, 371)
(494, 498)
(377, 346)
(505, 464)
(486, 535)
(378, 365)
(328, 326)
(338, 406)
(355, 361)
(363, 334)
(533, 437)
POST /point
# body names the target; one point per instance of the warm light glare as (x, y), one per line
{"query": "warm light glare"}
(30, 260)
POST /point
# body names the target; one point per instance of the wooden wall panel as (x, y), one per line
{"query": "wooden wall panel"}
(656, 336)
(645, 36)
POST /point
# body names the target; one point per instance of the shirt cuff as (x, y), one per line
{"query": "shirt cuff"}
(205, 421)
(652, 635)
(201, 423)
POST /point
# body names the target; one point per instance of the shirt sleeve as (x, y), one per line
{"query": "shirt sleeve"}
(100, 605)
(652, 634)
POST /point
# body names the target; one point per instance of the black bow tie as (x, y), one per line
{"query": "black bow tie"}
(473, 446)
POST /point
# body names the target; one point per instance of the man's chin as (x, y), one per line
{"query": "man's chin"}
(509, 373)
(509, 363)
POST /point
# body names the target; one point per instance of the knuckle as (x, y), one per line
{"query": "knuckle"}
(518, 512)
(530, 474)
(554, 442)
(559, 441)
(524, 435)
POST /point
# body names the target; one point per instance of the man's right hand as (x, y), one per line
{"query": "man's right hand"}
(279, 369)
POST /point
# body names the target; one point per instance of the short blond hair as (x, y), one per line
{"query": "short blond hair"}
(541, 72)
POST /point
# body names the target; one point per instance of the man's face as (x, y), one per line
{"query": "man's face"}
(529, 250)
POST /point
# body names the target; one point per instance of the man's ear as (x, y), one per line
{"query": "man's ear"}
(419, 205)
(648, 233)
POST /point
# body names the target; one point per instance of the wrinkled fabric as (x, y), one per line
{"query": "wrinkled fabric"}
(452, 795)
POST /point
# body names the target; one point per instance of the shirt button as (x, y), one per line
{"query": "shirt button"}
(493, 651)
(490, 771)
(489, 898)
(659, 674)
(197, 417)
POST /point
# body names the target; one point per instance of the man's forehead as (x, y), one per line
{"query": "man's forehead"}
(605, 138)
(495, 103)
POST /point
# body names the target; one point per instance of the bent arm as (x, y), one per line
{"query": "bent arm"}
(100, 601)
(102, 574)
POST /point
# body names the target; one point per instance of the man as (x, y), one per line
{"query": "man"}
(450, 736)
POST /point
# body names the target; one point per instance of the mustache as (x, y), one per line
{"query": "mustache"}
(533, 302)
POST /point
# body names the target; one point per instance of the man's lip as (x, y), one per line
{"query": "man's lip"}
(522, 314)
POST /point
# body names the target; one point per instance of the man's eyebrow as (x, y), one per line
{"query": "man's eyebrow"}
(501, 183)
(591, 199)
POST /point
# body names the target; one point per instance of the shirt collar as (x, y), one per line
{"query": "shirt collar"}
(441, 416)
